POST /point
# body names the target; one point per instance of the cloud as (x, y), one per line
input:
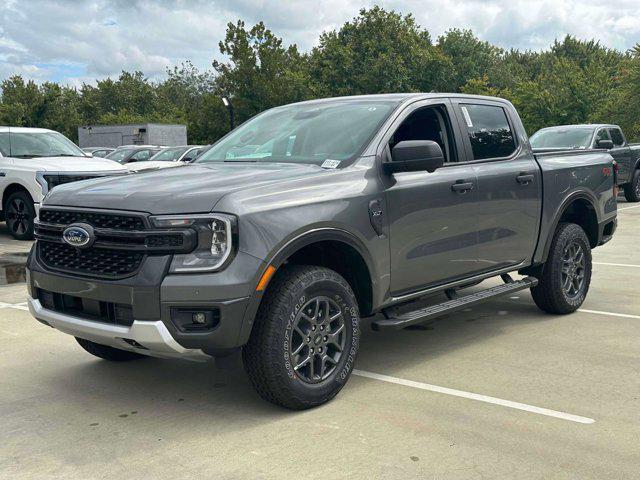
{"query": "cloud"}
(80, 40)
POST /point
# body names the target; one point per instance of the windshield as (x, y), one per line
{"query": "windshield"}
(303, 133)
(118, 155)
(562, 138)
(169, 154)
(42, 144)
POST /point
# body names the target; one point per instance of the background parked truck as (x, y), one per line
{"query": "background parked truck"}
(608, 137)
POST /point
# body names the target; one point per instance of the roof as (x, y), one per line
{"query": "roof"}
(401, 97)
(581, 125)
(5, 128)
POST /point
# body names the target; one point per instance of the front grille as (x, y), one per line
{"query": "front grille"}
(53, 180)
(164, 241)
(121, 242)
(97, 220)
(108, 312)
(100, 262)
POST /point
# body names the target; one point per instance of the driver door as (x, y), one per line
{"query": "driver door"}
(433, 217)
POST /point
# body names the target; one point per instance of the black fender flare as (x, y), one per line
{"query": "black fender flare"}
(579, 195)
(292, 245)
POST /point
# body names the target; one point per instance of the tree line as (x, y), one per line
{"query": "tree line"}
(379, 51)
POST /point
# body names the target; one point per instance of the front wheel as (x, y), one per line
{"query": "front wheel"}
(566, 275)
(632, 189)
(19, 214)
(304, 343)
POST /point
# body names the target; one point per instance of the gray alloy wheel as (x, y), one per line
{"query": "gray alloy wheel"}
(573, 269)
(317, 340)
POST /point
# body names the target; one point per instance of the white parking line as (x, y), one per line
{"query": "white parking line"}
(628, 208)
(612, 314)
(475, 396)
(18, 306)
(616, 264)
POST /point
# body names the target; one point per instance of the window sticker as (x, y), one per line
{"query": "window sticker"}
(466, 116)
(330, 163)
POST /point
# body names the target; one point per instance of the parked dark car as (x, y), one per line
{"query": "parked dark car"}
(133, 154)
(99, 151)
(311, 216)
(608, 137)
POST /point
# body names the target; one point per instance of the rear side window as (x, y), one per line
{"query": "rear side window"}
(489, 131)
(616, 136)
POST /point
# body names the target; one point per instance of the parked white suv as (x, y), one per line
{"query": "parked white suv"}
(32, 162)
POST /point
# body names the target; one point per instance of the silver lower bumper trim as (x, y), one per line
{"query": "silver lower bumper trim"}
(154, 336)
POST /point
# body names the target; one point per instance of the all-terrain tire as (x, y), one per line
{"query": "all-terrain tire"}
(19, 214)
(108, 353)
(269, 357)
(551, 293)
(632, 189)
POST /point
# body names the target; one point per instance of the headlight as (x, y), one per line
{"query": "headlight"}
(217, 238)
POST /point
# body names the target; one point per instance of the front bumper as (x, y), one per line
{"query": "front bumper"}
(153, 298)
(154, 336)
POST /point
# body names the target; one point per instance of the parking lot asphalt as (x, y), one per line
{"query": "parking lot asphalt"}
(498, 391)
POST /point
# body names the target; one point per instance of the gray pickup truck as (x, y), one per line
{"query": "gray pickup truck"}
(590, 136)
(309, 217)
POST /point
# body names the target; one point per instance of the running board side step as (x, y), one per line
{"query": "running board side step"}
(457, 303)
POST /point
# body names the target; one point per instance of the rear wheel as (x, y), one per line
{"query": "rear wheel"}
(632, 189)
(565, 278)
(305, 340)
(108, 353)
(19, 214)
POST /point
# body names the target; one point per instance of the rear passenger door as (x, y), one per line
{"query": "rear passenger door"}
(509, 186)
(621, 153)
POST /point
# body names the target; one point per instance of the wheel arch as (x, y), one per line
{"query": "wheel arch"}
(12, 188)
(338, 250)
(300, 248)
(581, 210)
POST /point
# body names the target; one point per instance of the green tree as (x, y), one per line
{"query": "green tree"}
(378, 52)
(21, 102)
(471, 57)
(261, 73)
(623, 102)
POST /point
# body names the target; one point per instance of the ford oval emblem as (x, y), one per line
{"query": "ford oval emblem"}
(79, 236)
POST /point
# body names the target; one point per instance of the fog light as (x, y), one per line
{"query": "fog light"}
(199, 317)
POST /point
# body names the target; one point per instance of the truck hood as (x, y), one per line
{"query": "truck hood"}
(192, 188)
(71, 164)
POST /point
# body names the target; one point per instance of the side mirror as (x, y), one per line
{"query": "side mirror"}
(608, 144)
(415, 156)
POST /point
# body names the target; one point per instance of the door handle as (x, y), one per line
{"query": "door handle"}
(525, 178)
(461, 186)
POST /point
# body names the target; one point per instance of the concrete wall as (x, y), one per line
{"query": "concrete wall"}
(139, 134)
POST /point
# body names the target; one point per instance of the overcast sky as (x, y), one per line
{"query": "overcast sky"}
(73, 41)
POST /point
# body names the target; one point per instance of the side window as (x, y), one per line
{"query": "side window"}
(489, 131)
(141, 156)
(428, 123)
(616, 136)
(5, 144)
(602, 134)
